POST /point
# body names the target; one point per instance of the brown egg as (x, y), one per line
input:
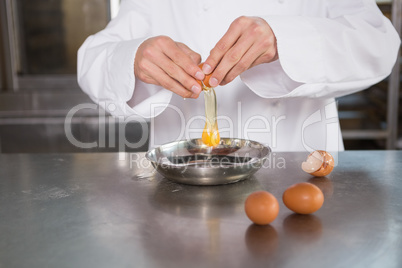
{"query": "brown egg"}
(319, 163)
(303, 198)
(261, 207)
(206, 78)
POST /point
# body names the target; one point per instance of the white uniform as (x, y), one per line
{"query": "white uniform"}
(327, 48)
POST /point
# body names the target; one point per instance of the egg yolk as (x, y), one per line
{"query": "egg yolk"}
(210, 137)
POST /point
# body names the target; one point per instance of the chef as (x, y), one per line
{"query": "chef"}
(277, 66)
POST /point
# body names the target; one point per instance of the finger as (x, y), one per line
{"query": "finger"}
(224, 44)
(250, 57)
(167, 82)
(269, 46)
(171, 50)
(143, 71)
(149, 80)
(244, 64)
(230, 59)
(195, 57)
(272, 55)
(178, 74)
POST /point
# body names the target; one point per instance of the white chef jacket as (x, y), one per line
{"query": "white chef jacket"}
(326, 48)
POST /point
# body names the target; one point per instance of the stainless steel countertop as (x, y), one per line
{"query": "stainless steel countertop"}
(94, 210)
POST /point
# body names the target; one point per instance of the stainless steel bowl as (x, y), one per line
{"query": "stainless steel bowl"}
(192, 162)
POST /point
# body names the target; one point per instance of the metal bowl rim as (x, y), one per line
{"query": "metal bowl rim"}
(178, 166)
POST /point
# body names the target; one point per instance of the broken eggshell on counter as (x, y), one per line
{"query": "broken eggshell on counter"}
(319, 163)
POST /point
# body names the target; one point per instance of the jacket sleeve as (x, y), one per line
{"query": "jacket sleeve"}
(350, 48)
(105, 67)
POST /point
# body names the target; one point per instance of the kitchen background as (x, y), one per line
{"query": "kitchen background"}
(38, 87)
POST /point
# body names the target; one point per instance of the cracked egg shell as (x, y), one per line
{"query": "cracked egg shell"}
(319, 163)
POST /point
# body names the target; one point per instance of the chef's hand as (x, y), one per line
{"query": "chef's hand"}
(248, 42)
(172, 65)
